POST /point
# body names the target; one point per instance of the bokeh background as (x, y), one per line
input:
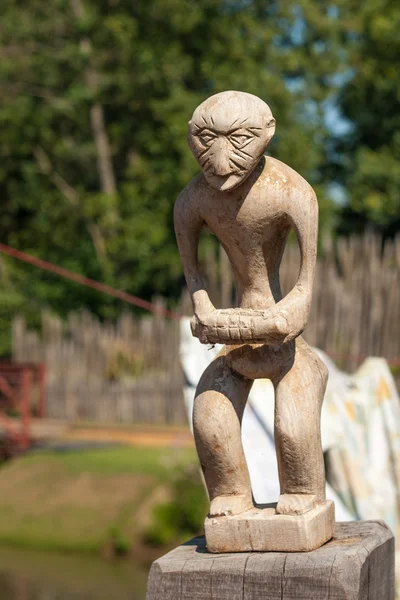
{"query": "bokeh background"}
(95, 96)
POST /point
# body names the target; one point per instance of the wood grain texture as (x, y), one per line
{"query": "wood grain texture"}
(357, 564)
(84, 357)
(251, 202)
(261, 529)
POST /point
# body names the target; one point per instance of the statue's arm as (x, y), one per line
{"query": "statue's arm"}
(292, 312)
(188, 223)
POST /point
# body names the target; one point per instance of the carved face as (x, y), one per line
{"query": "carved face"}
(228, 135)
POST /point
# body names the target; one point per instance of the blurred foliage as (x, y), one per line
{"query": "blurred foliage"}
(101, 499)
(184, 514)
(367, 157)
(96, 96)
(124, 362)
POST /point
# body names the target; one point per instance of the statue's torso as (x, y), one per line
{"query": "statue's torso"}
(252, 223)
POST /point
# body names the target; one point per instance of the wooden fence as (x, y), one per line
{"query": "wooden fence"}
(129, 371)
(356, 302)
(124, 372)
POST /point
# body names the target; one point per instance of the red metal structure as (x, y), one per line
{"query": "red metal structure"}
(16, 385)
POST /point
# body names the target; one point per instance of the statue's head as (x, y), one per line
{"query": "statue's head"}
(228, 135)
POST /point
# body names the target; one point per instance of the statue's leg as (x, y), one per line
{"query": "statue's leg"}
(298, 400)
(221, 396)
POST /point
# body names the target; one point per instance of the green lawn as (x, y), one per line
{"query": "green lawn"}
(126, 460)
(86, 500)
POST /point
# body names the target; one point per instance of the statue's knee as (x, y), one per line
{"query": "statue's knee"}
(207, 413)
(325, 372)
(313, 366)
(202, 409)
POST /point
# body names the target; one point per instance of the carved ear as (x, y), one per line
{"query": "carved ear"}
(271, 128)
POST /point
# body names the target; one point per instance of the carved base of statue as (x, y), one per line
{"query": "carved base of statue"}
(262, 529)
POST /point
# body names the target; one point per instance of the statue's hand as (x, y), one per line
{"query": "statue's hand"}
(273, 327)
(203, 318)
(217, 326)
(284, 325)
(200, 325)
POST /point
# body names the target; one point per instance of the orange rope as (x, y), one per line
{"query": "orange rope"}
(96, 285)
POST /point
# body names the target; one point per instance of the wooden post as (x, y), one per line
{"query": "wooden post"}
(25, 409)
(357, 564)
(42, 373)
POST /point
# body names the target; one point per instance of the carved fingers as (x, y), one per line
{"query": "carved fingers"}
(199, 329)
(238, 326)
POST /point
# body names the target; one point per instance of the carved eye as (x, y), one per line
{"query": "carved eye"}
(206, 137)
(238, 139)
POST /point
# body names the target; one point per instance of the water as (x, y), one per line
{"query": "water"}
(31, 575)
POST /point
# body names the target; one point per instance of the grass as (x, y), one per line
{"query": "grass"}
(113, 461)
(84, 501)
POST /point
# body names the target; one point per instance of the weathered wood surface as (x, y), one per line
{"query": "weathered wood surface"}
(262, 529)
(122, 372)
(251, 202)
(357, 564)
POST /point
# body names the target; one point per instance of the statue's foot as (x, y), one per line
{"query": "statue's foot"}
(295, 504)
(230, 505)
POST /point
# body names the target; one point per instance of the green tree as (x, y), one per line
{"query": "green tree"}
(370, 151)
(95, 100)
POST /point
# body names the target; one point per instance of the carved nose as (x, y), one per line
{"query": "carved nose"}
(221, 157)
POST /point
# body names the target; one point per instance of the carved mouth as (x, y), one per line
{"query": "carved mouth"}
(220, 178)
(224, 182)
(235, 167)
(234, 171)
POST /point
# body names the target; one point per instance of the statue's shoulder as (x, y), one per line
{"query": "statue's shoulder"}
(189, 204)
(194, 192)
(280, 173)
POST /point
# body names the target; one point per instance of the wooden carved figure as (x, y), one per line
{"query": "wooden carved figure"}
(251, 202)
